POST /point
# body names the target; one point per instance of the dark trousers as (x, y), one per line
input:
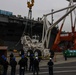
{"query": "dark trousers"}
(13, 71)
(4, 71)
(65, 57)
(35, 70)
(50, 70)
(22, 71)
(31, 67)
(11, 58)
(26, 67)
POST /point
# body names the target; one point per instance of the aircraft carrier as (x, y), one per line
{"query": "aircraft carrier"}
(12, 27)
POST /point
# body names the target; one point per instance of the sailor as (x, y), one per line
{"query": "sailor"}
(13, 64)
(1, 64)
(5, 66)
(26, 64)
(52, 54)
(2, 59)
(22, 64)
(11, 56)
(50, 66)
(35, 66)
(22, 52)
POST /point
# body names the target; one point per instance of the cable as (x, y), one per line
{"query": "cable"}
(22, 33)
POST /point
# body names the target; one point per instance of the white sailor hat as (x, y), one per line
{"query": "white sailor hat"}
(50, 58)
(36, 57)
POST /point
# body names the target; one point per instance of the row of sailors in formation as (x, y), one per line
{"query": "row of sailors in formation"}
(23, 65)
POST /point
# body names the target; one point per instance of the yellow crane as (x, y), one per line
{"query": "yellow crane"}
(30, 5)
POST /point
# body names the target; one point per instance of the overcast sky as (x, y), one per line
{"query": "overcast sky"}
(40, 6)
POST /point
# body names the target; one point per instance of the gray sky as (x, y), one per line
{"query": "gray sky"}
(40, 7)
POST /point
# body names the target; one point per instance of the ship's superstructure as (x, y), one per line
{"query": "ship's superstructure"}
(13, 27)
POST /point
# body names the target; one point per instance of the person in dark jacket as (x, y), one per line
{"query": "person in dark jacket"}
(13, 64)
(5, 66)
(11, 56)
(22, 63)
(2, 59)
(52, 54)
(1, 64)
(21, 52)
(50, 66)
(35, 66)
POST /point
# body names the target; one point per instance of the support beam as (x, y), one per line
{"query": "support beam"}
(59, 10)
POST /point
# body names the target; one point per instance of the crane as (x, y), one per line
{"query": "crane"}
(47, 31)
(68, 38)
(71, 36)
